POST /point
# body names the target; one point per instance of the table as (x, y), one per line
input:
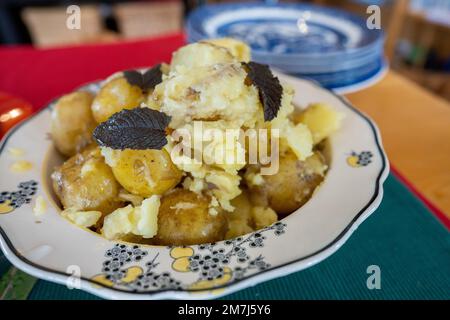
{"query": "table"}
(415, 127)
(410, 245)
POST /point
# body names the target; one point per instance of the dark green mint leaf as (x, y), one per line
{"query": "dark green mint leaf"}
(147, 80)
(269, 88)
(138, 129)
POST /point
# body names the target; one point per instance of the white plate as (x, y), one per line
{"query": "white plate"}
(53, 249)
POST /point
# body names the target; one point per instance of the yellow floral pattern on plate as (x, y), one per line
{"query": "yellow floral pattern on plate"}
(10, 200)
(211, 265)
(361, 159)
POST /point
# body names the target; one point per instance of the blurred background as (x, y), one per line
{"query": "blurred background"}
(417, 31)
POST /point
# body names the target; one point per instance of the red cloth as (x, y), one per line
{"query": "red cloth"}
(39, 75)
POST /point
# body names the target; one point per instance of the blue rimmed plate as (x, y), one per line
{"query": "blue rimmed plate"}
(286, 29)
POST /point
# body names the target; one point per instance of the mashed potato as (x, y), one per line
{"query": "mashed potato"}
(238, 49)
(140, 221)
(209, 93)
(83, 219)
(321, 119)
(200, 54)
(210, 52)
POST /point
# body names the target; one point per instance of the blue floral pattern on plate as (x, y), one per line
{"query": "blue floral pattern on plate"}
(285, 28)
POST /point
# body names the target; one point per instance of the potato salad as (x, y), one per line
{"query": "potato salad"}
(206, 148)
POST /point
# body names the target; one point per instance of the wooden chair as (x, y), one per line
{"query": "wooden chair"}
(47, 26)
(145, 19)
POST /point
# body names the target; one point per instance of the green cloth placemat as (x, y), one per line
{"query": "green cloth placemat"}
(411, 248)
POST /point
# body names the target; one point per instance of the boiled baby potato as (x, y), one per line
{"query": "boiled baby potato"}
(115, 95)
(131, 238)
(240, 221)
(143, 172)
(86, 183)
(183, 219)
(293, 184)
(72, 122)
(263, 217)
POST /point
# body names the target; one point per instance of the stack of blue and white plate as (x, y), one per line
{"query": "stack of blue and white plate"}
(330, 46)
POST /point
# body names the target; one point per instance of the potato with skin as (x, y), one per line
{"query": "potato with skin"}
(86, 183)
(183, 219)
(72, 122)
(263, 217)
(292, 185)
(131, 238)
(115, 95)
(143, 172)
(240, 221)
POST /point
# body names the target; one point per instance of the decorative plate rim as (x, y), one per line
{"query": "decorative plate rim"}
(363, 84)
(104, 291)
(358, 85)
